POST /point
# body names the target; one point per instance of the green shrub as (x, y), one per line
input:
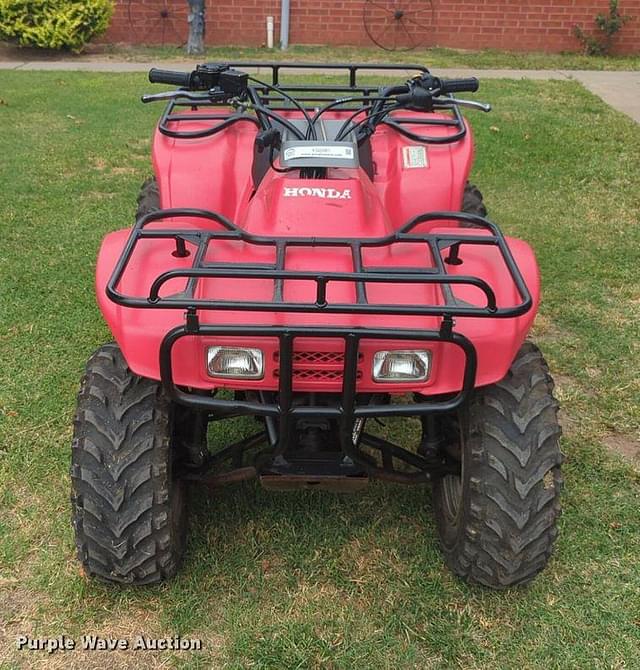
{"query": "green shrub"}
(608, 24)
(54, 24)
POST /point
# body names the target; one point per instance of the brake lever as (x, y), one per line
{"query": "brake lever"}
(211, 95)
(472, 104)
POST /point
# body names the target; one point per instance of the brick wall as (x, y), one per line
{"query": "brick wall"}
(538, 25)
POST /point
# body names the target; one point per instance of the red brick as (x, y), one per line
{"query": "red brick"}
(509, 24)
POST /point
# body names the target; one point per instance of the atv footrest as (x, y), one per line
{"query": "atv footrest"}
(333, 473)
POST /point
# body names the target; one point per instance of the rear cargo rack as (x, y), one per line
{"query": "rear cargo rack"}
(309, 96)
(277, 272)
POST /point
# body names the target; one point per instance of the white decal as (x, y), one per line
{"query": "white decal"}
(314, 192)
(414, 157)
(319, 151)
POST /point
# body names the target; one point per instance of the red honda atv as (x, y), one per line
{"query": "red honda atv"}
(314, 256)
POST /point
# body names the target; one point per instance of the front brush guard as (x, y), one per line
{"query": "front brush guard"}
(345, 411)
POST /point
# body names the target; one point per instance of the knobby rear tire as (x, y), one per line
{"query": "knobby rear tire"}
(129, 513)
(472, 203)
(497, 522)
(472, 200)
(148, 198)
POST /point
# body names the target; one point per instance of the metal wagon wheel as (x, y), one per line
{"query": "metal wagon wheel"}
(398, 25)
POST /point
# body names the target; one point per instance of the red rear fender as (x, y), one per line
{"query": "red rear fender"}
(409, 178)
(207, 173)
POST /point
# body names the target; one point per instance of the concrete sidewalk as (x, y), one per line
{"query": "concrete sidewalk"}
(619, 89)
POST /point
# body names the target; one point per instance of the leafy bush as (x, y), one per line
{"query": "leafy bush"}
(608, 24)
(54, 24)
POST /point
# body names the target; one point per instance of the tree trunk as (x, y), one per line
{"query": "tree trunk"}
(195, 42)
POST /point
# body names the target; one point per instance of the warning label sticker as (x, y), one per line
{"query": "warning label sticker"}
(319, 151)
(415, 157)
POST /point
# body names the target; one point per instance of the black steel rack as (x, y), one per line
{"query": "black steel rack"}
(202, 269)
(276, 95)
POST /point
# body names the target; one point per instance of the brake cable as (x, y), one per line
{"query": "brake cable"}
(260, 109)
(382, 113)
(310, 123)
(344, 101)
(345, 125)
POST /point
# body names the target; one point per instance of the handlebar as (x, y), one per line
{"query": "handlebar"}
(469, 85)
(206, 77)
(182, 79)
(422, 93)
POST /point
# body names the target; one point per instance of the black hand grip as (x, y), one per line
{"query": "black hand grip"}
(169, 77)
(469, 85)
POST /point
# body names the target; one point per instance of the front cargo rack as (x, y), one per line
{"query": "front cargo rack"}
(275, 94)
(278, 273)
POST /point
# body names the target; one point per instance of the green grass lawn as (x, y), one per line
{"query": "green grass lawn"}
(434, 57)
(306, 580)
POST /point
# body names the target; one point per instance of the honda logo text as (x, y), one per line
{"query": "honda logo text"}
(307, 192)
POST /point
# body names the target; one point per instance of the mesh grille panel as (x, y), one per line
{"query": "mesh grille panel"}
(321, 366)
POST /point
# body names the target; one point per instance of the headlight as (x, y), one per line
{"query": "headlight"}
(235, 362)
(400, 366)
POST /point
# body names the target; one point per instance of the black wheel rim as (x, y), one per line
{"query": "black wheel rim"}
(398, 25)
(451, 496)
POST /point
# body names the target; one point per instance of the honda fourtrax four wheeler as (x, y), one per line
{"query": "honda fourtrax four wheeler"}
(314, 257)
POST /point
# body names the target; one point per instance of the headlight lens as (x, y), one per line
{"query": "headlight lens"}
(236, 362)
(399, 366)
